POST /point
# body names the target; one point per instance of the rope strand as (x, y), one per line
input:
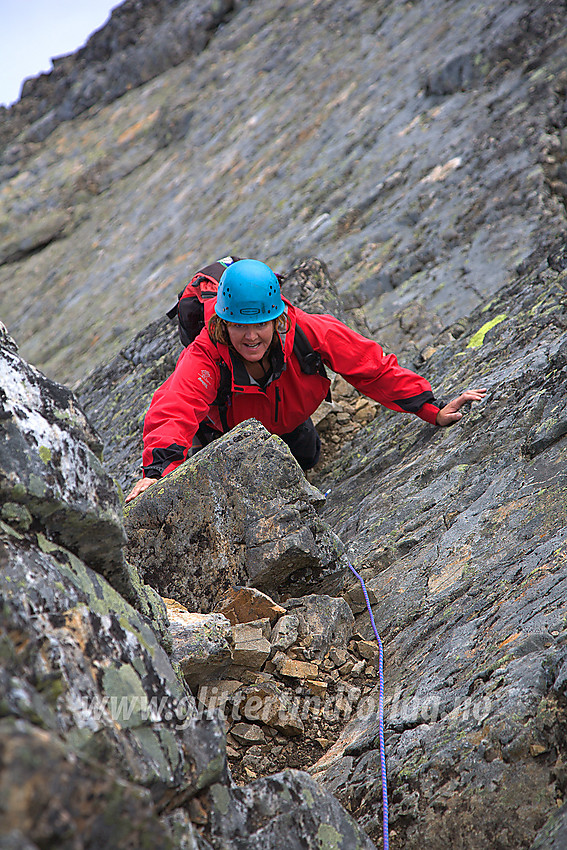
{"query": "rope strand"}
(385, 832)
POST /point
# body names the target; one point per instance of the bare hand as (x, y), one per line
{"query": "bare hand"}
(450, 414)
(139, 487)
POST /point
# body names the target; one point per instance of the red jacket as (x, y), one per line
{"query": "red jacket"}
(187, 397)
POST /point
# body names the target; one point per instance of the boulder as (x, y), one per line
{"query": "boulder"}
(292, 669)
(244, 604)
(202, 644)
(51, 472)
(239, 512)
(268, 703)
(285, 632)
(94, 671)
(308, 285)
(324, 622)
(248, 734)
(251, 644)
(285, 810)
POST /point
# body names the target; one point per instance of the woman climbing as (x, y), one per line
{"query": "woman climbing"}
(259, 357)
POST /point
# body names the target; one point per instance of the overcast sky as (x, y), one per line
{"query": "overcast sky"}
(32, 32)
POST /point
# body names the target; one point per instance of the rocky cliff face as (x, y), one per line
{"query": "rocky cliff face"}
(418, 148)
(421, 150)
(102, 743)
(461, 535)
(140, 41)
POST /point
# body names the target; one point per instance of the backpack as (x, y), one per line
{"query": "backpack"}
(190, 307)
(190, 313)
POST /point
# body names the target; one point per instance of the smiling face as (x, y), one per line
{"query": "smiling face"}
(251, 341)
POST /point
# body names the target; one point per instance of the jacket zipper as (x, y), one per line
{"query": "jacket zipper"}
(277, 404)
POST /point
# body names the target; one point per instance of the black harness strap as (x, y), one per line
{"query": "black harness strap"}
(224, 394)
(310, 360)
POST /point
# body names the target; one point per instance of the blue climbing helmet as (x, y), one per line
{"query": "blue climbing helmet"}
(249, 293)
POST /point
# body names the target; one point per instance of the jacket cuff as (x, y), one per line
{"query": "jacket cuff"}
(163, 460)
(152, 472)
(428, 412)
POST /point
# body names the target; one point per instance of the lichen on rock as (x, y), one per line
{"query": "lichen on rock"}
(239, 512)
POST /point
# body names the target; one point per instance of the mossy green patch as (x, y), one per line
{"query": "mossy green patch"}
(150, 744)
(81, 739)
(36, 486)
(51, 688)
(102, 598)
(127, 694)
(170, 745)
(308, 797)
(17, 514)
(212, 771)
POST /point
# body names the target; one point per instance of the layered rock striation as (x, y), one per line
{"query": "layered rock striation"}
(461, 536)
(418, 149)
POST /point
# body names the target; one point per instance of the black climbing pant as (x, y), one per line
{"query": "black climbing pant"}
(304, 443)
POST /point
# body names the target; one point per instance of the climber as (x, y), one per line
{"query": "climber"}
(249, 336)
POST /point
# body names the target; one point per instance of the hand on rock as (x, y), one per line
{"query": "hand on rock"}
(139, 487)
(450, 414)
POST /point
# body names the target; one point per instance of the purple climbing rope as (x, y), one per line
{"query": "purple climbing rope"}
(385, 833)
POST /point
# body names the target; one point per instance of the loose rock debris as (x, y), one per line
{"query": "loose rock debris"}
(291, 684)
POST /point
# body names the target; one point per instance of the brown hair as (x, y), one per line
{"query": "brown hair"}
(218, 328)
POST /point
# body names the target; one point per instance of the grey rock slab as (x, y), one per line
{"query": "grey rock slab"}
(33, 237)
(50, 464)
(461, 537)
(553, 836)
